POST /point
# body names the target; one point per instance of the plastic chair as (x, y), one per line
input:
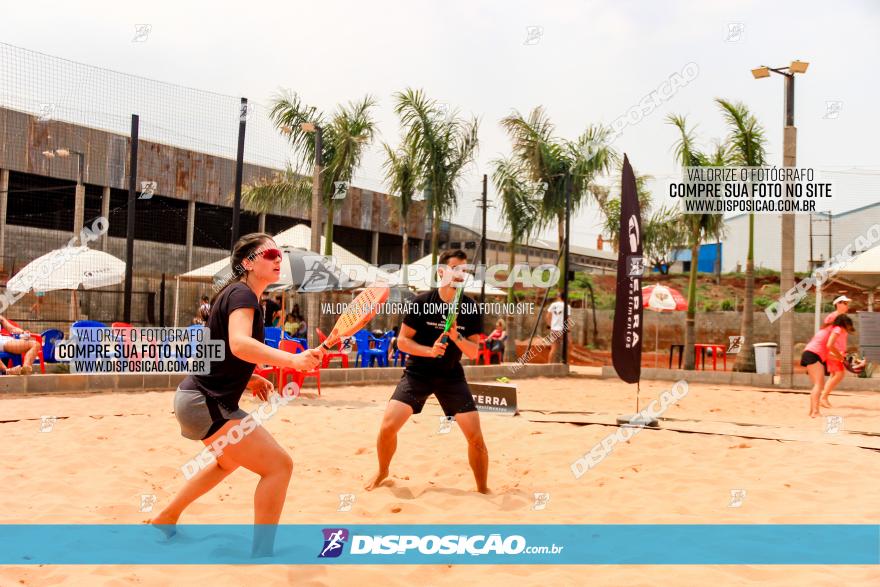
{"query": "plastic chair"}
(377, 354)
(330, 356)
(499, 353)
(50, 337)
(298, 377)
(88, 324)
(272, 335)
(16, 359)
(362, 339)
(483, 353)
(302, 342)
(124, 342)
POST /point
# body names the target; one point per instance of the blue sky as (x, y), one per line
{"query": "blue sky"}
(591, 62)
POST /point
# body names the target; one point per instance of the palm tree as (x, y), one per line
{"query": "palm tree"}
(403, 175)
(661, 233)
(520, 210)
(551, 163)
(698, 226)
(346, 135)
(747, 144)
(444, 145)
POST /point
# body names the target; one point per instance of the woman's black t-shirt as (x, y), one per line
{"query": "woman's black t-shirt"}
(228, 378)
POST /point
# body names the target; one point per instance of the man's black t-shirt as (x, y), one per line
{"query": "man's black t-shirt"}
(428, 317)
(228, 378)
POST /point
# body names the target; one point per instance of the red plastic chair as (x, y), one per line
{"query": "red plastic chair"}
(484, 354)
(330, 356)
(298, 377)
(35, 337)
(126, 340)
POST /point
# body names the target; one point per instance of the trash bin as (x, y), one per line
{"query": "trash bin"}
(765, 358)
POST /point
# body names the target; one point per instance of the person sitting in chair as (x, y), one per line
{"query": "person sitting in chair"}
(495, 341)
(25, 346)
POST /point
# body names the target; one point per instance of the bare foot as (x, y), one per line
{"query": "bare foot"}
(14, 370)
(377, 480)
(165, 523)
(484, 490)
(824, 402)
(815, 414)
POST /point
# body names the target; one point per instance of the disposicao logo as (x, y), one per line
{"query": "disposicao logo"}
(334, 540)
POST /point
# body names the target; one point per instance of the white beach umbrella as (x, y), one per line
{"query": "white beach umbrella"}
(68, 268)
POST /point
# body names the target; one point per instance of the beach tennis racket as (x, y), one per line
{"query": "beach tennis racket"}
(456, 301)
(452, 314)
(357, 314)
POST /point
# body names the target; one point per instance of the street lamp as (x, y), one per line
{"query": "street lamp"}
(80, 192)
(789, 158)
(312, 311)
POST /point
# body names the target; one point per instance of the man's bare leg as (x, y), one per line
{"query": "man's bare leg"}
(478, 454)
(396, 415)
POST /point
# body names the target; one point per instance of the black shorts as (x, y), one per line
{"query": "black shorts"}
(809, 357)
(454, 396)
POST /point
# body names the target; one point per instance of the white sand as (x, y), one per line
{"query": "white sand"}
(107, 449)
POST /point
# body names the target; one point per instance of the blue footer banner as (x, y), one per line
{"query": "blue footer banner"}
(480, 544)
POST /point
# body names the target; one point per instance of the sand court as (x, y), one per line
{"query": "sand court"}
(105, 452)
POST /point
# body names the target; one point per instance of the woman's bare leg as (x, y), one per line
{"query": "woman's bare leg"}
(260, 453)
(200, 484)
(816, 371)
(26, 348)
(832, 382)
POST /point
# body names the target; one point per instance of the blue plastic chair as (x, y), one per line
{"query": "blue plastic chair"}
(88, 324)
(50, 338)
(81, 325)
(272, 336)
(378, 354)
(362, 339)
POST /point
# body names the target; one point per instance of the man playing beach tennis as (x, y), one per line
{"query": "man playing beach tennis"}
(434, 367)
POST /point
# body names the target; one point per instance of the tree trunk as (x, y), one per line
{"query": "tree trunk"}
(745, 360)
(563, 262)
(691, 319)
(404, 253)
(328, 230)
(510, 295)
(435, 239)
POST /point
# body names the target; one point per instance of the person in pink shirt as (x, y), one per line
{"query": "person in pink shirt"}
(823, 348)
(843, 325)
(841, 306)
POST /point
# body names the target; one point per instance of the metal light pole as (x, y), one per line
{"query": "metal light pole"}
(789, 159)
(313, 312)
(565, 265)
(239, 171)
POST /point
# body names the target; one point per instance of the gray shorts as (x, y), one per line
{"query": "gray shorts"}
(197, 417)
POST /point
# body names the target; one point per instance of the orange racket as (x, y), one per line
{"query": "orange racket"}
(357, 314)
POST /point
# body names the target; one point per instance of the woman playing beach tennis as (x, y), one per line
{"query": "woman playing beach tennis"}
(823, 356)
(206, 406)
